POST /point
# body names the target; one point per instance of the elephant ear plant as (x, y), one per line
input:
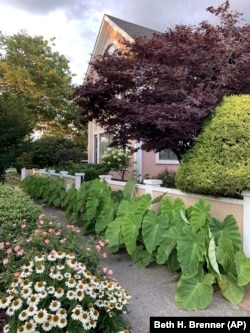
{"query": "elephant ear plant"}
(204, 251)
(208, 252)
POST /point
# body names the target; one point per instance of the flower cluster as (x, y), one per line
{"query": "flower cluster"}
(116, 160)
(45, 236)
(55, 292)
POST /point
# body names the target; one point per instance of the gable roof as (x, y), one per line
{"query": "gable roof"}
(132, 29)
(126, 29)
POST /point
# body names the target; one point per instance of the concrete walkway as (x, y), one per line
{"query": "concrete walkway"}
(153, 290)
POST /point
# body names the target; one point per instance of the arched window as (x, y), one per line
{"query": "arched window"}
(111, 49)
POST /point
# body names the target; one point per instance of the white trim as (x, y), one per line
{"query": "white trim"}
(158, 161)
(138, 161)
(117, 28)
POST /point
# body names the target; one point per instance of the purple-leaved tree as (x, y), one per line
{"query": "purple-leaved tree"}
(160, 90)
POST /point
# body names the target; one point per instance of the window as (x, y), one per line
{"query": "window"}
(101, 143)
(166, 156)
(111, 49)
(105, 141)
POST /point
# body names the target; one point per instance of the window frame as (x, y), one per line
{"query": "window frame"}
(158, 160)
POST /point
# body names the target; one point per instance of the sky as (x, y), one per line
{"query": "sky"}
(75, 23)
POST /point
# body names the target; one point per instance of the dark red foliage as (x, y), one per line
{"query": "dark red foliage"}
(160, 90)
(4, 319)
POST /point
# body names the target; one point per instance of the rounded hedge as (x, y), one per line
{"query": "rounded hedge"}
(218, 164)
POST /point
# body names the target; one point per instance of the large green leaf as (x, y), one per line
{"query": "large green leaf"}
(123, 208)
(171, 207)
(194, 293)
(105, 217)
(99, 193)
(225, 254)
(141, 257)
(153, 226)
(130, 226)
(141, 204)
(113, 233)
(191, 250)
(168, 242)
(228, 228)
(199, 215)
(243, 268)
(173, 263)
(230, 288)
(129, 189)
(211, 254)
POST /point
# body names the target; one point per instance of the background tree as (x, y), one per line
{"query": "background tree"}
(161, 90)
(35, 93)
(15, 124)
(50, 152)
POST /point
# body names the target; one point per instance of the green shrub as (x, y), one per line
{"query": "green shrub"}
(16, 206)
(91, 170)
(218, 164)
(116, 160)
(167, 177)
(49, 190)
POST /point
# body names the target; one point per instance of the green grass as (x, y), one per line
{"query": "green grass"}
(12, 177)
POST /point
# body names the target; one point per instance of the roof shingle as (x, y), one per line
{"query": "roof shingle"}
(132, 29)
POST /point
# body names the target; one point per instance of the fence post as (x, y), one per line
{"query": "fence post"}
(150, 184)
(246, 223)
(105, 177)
(23, 173)
(79, 178)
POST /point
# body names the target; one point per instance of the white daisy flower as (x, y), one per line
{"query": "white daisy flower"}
(60, 266)
(43, 294)
(47, 326)
(55, 320)
(70, 255)
(26, 272)
(23, 315)
(40, 257)
(32, 310)
(5, 302)
(41, 316)
(10, 311)
(40, 269)
(79, 294)
(25, 283)
(77, 313)
(26, 292)
(16, 304)
(33, 299)
(6, 328)
(51, 257)
(59, 292)
(54, 273)
(54, 305)
(62, 322)
(51, 290)
(40, 286)
(62, 312)
(30, 326)
(71, 294)
(60, 254)
(67, 275)
(71, 283)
